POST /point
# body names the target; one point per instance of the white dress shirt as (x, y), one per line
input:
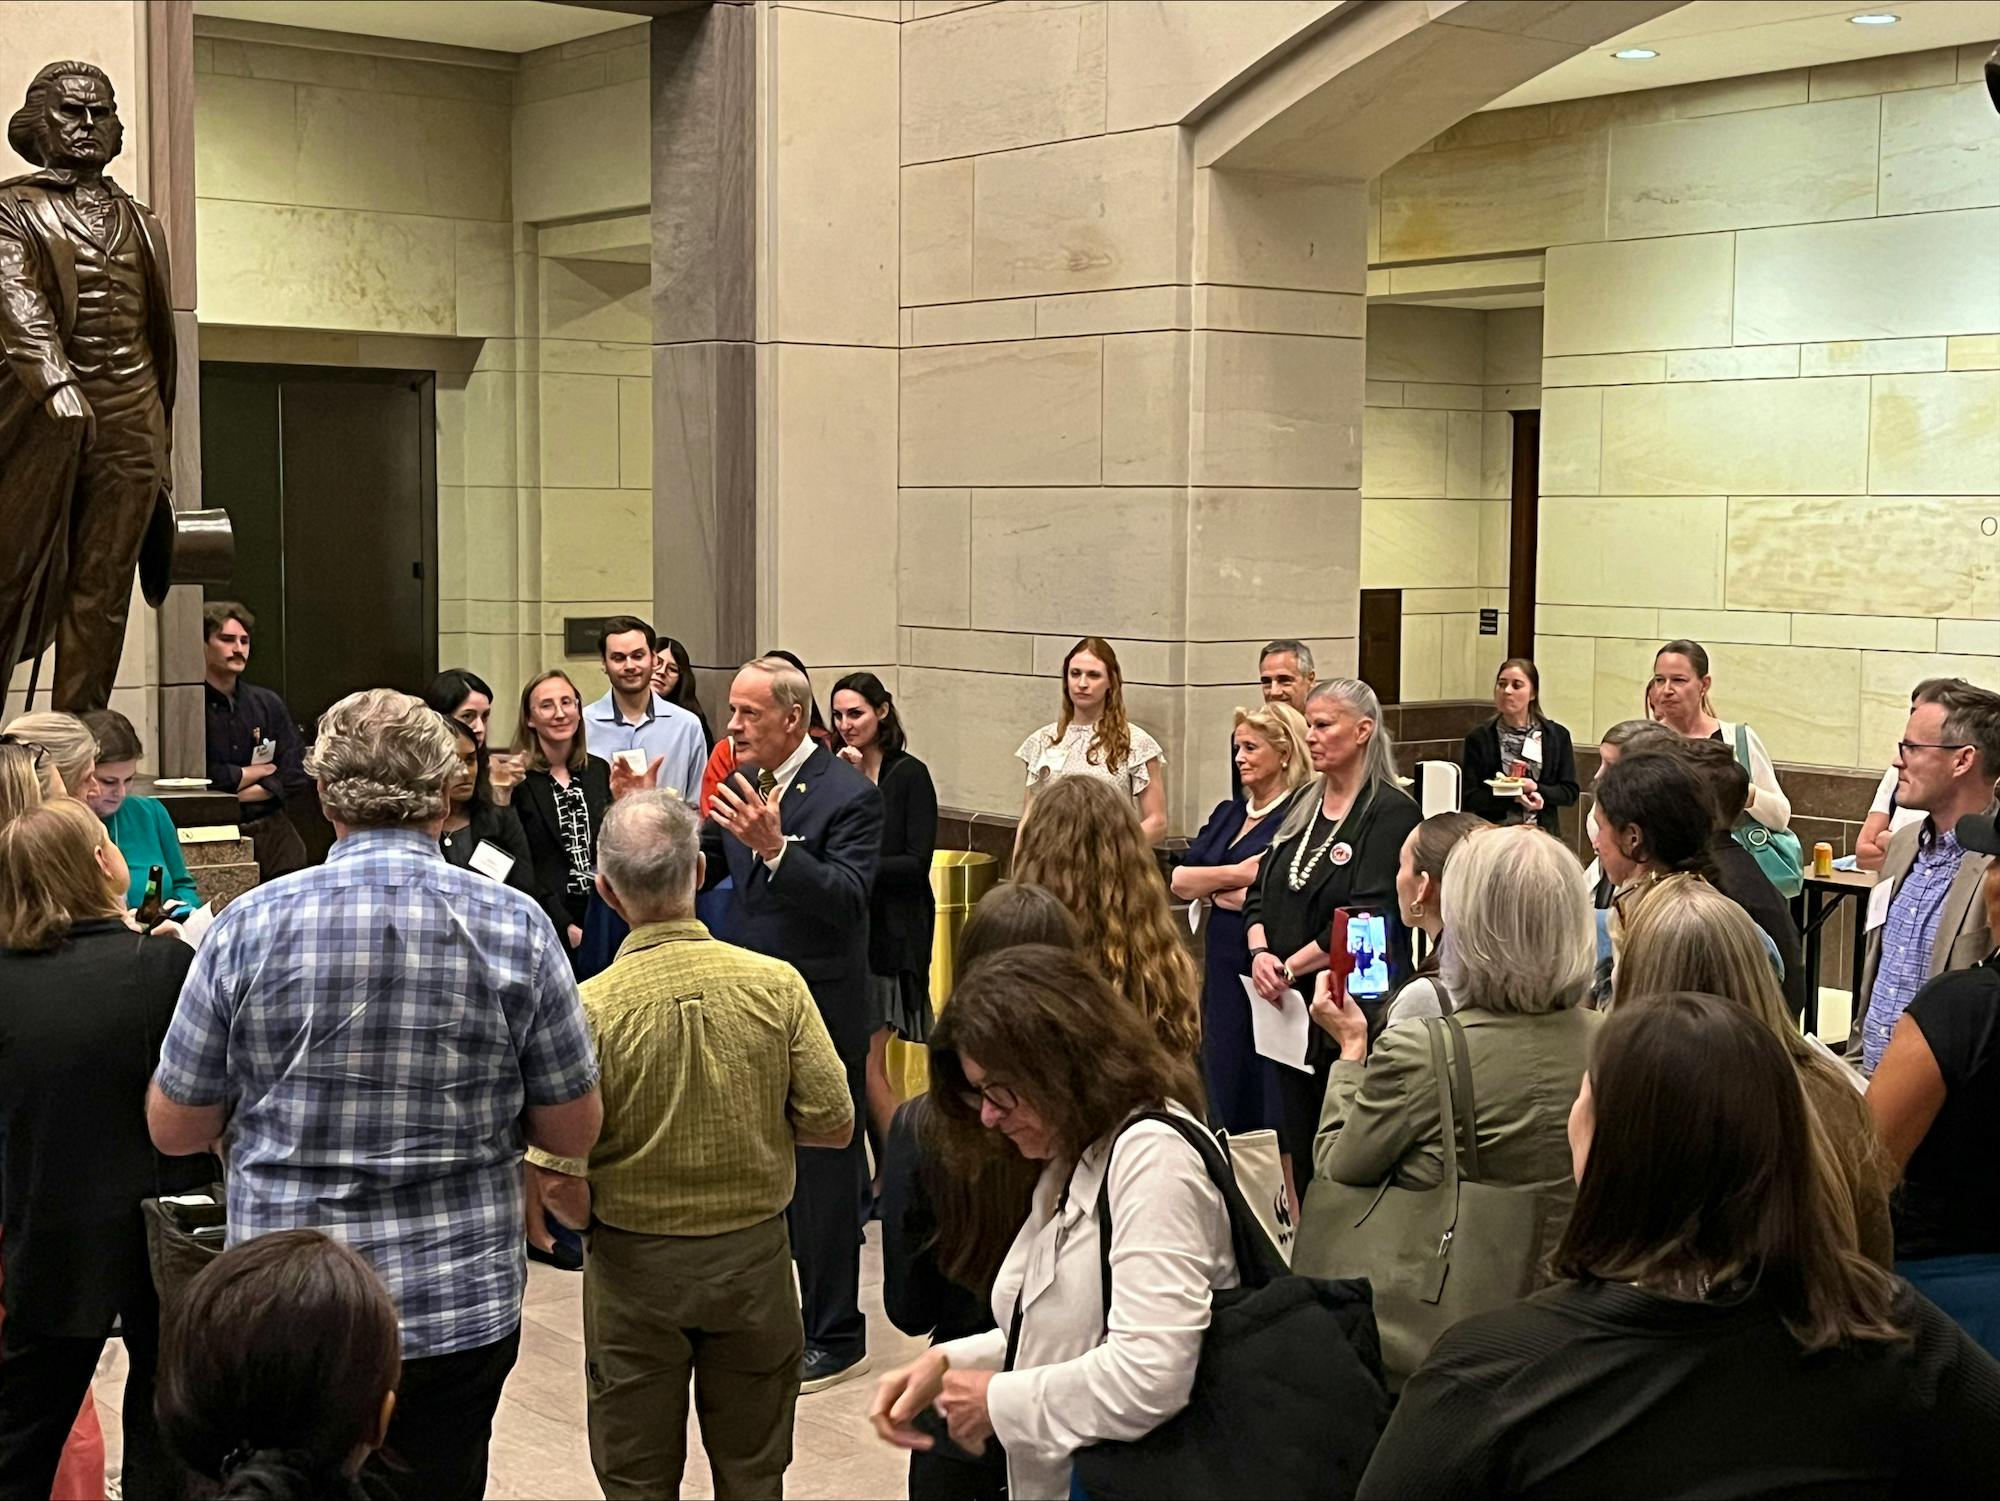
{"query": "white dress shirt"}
(1075, 1384)
(781, 780)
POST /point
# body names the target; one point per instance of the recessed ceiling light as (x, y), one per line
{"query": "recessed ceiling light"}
(1875, 18)
(1634, 54)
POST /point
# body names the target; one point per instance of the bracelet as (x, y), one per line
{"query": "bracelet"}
(1255, 952)
(1290, 978)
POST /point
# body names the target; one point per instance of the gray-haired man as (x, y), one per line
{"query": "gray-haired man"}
(1285, 674)
(716, 1065)
(800, 833)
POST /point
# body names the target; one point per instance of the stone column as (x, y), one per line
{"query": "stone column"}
(169, 40)
(704, 328)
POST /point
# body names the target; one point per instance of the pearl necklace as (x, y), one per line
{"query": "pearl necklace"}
(1253, 812)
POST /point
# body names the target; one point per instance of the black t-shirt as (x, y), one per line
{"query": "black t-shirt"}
(1948, 1205)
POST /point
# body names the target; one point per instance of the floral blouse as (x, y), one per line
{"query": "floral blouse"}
(1048, 757)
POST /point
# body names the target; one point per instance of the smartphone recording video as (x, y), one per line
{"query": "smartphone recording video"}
(1368, 953)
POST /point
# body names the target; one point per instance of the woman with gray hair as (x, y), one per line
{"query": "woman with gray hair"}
(1337, 848)
(1518, 959)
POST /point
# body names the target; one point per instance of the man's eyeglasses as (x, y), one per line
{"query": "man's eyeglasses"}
(999, 1096)
(1904, 747)
(40, 752)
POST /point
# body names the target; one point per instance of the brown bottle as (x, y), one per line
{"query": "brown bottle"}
(152, 911)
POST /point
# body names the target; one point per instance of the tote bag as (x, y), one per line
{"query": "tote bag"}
(1434, 1255)
(1777, 852)
(1287, 1398)
(1260, 1175)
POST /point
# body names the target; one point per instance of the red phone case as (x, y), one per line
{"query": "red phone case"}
(1341, 963)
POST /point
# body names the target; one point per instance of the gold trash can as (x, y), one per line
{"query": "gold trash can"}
(959, 878)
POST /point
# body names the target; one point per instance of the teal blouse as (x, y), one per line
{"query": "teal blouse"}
(145, 835)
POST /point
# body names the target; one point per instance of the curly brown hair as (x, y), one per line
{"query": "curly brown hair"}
(1111, 743)
(1081, 839)
(1042, 1022)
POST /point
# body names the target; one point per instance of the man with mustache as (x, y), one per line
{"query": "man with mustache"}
(87, 387)
(254, 749)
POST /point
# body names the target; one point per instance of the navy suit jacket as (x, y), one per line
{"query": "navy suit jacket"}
(813, 911)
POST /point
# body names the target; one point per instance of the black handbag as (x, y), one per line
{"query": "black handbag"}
(1288, 1397)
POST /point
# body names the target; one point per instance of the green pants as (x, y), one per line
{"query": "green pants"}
(657, 1307)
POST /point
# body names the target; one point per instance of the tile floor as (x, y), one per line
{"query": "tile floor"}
(539, 1444)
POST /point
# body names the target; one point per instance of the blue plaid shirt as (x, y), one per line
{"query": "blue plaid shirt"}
(1908, 933)
(376, 1026)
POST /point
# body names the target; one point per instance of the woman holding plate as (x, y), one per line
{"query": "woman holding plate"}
(1519, 765)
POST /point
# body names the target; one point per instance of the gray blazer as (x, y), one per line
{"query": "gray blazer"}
(1963, 938)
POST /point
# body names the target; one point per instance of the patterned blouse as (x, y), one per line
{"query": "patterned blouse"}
(1047, 758)
(573, 816)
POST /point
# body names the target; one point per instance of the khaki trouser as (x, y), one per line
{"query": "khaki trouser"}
(656, 1307)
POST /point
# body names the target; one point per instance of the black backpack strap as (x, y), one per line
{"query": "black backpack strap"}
(1257, 1260)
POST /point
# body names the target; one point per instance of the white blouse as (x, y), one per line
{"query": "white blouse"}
(1048, 757)
(1081, 1377)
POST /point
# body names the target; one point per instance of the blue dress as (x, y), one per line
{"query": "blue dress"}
(1237, 1079)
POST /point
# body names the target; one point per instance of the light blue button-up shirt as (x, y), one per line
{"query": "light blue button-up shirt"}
(668, 731)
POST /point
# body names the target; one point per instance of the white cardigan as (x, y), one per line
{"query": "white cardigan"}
(1075, 1385)
(1772, 808)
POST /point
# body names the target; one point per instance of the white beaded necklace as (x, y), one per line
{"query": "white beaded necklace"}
(1297, 878)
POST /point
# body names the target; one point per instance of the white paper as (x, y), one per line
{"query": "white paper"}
(265, 753)
(1279, 1032)
(1878, 904)
(196, 924)
(1194, 914)
(633, 761)
(491, 860)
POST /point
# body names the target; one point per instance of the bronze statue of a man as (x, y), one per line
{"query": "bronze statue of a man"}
(86, 387)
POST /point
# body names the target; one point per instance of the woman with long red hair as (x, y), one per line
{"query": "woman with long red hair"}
(1092, 737)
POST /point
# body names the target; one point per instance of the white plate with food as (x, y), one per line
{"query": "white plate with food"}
(1506, 786)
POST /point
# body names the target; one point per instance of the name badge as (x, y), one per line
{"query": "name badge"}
(265, 753)
(491, 860)
(1531, 748)
(1878, 904)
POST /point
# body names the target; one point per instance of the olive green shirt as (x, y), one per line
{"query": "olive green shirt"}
(713, 1058)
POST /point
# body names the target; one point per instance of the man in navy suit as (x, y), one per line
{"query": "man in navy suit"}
(800, 833)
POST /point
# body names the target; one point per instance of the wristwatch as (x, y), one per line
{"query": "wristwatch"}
(1255, 952)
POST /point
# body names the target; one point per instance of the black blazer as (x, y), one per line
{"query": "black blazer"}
(901, 914)
(80, 1034)
(500, 827)
(1481, 760)
(535, 803)
(1367, 880)
(813, 913)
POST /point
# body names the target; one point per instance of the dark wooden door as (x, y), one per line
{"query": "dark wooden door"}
(1381, 646)
(1524, 533)
(330, 479)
